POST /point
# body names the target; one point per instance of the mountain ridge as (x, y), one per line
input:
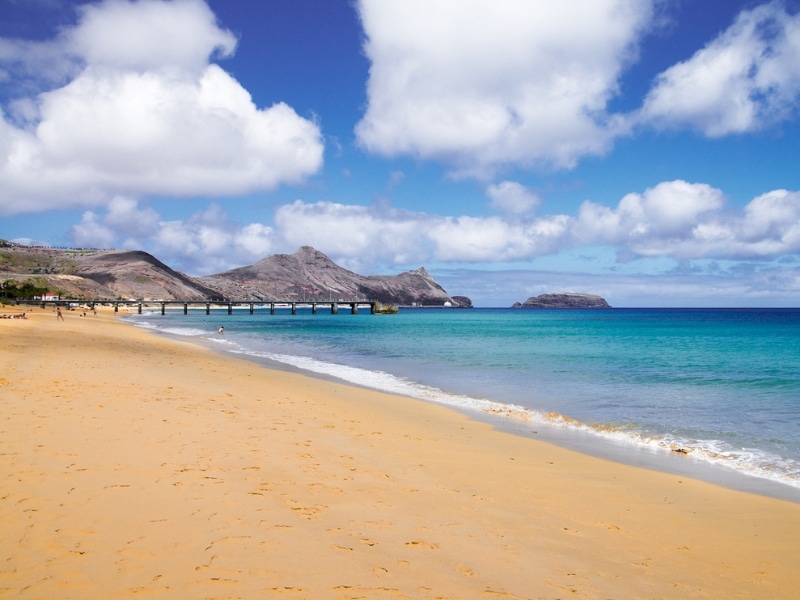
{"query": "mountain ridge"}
(306, 275)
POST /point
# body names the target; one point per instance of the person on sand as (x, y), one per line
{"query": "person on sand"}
(221, 330)
(58, 314)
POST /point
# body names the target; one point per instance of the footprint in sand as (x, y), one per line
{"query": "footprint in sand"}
(309, 512)
(499, 593)
(464, 570)
(422, 544)
(289, 591)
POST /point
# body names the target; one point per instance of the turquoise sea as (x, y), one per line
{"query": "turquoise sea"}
(713, 393)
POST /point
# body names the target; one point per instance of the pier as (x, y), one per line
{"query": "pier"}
(374, 306)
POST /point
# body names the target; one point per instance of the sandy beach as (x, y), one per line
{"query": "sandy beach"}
(134, 465)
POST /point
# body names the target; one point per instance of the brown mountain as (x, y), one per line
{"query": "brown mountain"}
(308, 274)
(97, 274)
(305, 275)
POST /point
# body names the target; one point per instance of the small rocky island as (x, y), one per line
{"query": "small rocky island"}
(568, 300)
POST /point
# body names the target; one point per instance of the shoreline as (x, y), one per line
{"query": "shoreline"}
(503, 417)
(134, 463)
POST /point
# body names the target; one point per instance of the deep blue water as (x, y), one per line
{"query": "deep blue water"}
(722, 384)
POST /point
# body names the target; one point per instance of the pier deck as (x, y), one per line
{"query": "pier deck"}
(374, 306)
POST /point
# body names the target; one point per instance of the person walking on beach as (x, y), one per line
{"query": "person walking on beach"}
(59, 316)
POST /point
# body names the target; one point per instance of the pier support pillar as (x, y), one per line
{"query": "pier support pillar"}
(251, 308)
(163, 308)
(334, 308)
(294, 308)
(140, 308)
(354, 309)
(116, 306)
(272, 308)
(313, 308)
(230, 308)
(208, 308)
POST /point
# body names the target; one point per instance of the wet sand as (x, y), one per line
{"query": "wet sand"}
(136, 465)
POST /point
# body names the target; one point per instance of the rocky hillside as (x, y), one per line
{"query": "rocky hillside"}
(568, 300)
(305, 275)
(308, 274)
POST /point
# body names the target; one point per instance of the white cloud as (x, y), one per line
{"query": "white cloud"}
(673, 221)
(91, 233)
(688, 221)
(355, 235)
(512, 198)
(647, 223)
(745, 79)
(210, 242)
(34, 65)
(205, 243)
(124, 215)
(471, 239)
(148, 34)
(480, 84)
(358, 235)
(770, 226)
(148, 114)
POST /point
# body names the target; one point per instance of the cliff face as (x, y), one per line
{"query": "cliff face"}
(568, 300)
(305, 275)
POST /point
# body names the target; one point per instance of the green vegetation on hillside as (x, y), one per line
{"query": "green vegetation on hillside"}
(35, 263)
(26, 290)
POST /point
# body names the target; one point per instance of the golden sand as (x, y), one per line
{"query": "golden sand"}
(132, 465)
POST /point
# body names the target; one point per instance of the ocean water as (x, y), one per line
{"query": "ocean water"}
(711, 389)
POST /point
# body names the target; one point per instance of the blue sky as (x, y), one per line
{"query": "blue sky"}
(644, 150)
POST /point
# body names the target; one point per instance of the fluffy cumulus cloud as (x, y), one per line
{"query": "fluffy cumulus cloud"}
(770, 226)
(145, 112)
(745, 79)
(689, 221)
(675, 221)
(207, 242)
(357, 234)
(481, 84)
(92, 233)
(471, 239)
(512, 198)
(647, 223)
(148, 34)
